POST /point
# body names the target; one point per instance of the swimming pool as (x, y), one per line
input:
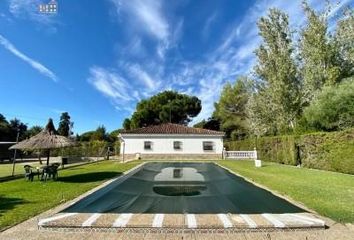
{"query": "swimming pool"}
(178, 188)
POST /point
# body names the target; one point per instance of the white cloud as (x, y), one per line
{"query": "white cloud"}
(137, 72)
(148, 14)
(35, 64)
(110, 84)
(147, 17)
(208, 23)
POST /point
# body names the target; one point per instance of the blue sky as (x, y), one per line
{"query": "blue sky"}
(97, 59)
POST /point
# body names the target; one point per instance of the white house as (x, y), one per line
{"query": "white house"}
(171, 141)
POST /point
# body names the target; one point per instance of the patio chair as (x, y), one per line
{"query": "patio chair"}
(29, 174)
(50, 172)
(55, 167)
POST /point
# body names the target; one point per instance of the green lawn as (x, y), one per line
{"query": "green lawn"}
(6, 169)
(328, 193)
(20, 200)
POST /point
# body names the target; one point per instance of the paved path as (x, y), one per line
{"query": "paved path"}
(28, 230)
(182, 222)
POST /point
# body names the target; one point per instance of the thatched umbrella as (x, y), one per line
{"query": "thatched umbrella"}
(47, 139)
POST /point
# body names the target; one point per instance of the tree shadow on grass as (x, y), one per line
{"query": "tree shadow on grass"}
(7, 204)
(89, 177)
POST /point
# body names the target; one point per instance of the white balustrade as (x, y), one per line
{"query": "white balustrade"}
(241, 154)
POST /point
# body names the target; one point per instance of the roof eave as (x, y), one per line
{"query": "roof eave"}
(169, 135)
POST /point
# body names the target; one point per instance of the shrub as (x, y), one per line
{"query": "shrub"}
(333, 108)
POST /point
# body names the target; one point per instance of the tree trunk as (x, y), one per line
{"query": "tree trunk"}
(48, 156)
(39, 158)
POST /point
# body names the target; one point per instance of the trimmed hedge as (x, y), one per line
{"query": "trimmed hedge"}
(332, 151)
(271, 149)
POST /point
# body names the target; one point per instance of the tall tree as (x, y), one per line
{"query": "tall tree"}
(276, 70)
(344, 39)
(126, 124)
(231, 109)
(167, 106)
(113, 136)
(65, 125)
(317, 53)
(16, 126)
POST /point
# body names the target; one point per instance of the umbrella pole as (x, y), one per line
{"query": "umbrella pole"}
(48, 157)
(14, 161)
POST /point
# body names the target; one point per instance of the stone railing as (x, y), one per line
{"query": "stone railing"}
(243, 155)
(240, 154)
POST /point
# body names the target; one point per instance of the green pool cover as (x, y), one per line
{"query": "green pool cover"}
(183, 188)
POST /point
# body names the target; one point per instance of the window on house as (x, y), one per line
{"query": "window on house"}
(208, 146)
(148, 145)
(177, 145)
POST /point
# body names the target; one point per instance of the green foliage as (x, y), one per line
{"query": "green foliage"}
(230, 110)
(65, 125)
(126, 124)
(167, 106)
(317, 53)
(261, 112)
(86, 136)
(326, 151)
(200, 124)
(211, 124)
(94, 148)
(14, 126)
(290, 77)
(278, 89)
(344, 42)
(4, 129)
(113, 136)
(333, 108)
(33, 131)
(116, 148)
(272, 149)
(100, 134)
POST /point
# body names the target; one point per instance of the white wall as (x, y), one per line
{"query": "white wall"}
(164, 144)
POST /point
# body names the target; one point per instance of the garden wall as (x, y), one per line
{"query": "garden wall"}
(332, 151)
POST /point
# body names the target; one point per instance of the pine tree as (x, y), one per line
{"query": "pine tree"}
(65, 125)
(231, 109)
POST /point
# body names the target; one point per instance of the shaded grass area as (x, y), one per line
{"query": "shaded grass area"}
(328, 193)
(20, 199)
(6, 168)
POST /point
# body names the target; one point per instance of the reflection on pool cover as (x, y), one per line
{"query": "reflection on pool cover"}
(198, 188)
(179, 190)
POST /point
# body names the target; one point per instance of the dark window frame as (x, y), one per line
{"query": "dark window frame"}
(208, 146)
(178, 146)
(147, 145)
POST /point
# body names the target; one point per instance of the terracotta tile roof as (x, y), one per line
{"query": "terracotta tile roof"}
(171, 128)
